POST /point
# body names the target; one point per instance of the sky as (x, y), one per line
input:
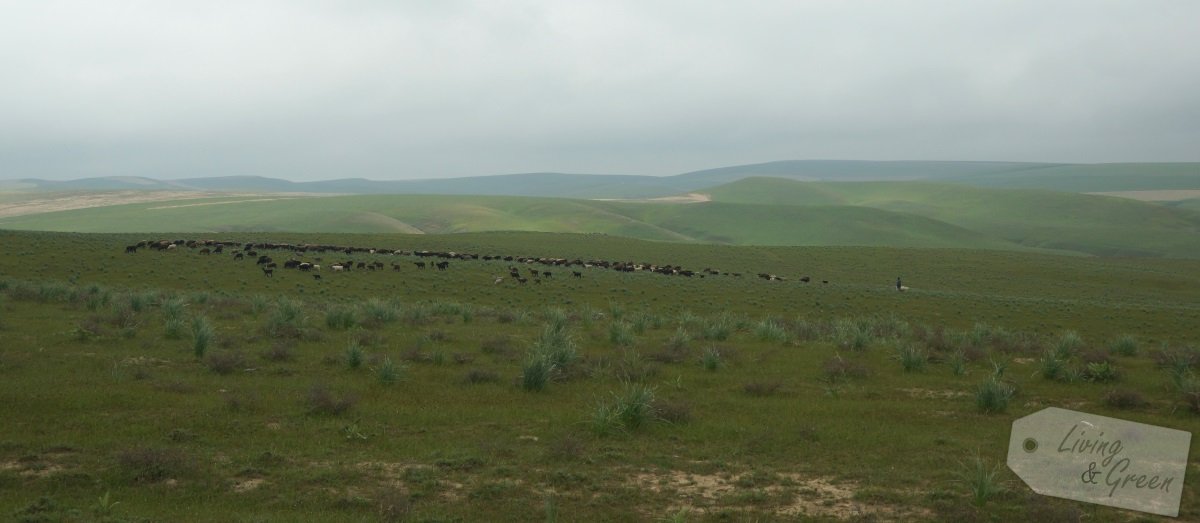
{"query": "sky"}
(387, 89)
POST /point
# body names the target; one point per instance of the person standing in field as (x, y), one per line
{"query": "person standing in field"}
(898, 285)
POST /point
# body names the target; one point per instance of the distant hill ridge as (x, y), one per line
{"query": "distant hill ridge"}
(1056, 176)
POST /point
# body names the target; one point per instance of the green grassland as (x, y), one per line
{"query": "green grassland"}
(1036, 218)
(402, 395)
(755, 211)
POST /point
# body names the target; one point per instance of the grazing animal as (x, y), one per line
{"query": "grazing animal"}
(805, 279)
(548, 274)
(171, 247)
(337, 268)
(522, 281)
(420, 265)
(824, 281)
(498, 280)
(577, 274)
(237, 256)
(268, 272)
(131, 249)
(441, 266)
(362, 265)
(317, 277)
(206, 250)
(316, 267)
(902, 288)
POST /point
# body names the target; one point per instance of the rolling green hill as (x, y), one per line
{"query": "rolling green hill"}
(716, 222)
(1048, 219)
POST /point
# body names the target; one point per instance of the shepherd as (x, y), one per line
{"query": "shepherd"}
(898, 284)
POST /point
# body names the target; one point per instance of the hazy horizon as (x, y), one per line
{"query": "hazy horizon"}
(386, 91)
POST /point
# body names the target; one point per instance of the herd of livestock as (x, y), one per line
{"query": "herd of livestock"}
(439, 260)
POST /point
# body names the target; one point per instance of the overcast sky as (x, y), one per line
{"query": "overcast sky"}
(419, 89)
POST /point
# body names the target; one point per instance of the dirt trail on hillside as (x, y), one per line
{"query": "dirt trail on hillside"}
(53, 202)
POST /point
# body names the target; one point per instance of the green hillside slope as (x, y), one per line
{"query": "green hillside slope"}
(732, 223)
(1049, 219)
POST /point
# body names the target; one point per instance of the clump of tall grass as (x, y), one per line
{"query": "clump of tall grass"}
(557, 318)
(536, 372)
(354, 355)
(982, 481)
(958, 363)
(719, 329)
(993, 395)
(557, 346)
(851, 335)
(711, 359)
(389, 372)
(1125, 345)
(912, 357)
(202, 336)
(620, 334)
(771, 330)
(629, 409)
(1101, 372)
(174, 328)
(1051, 367)
(286, 319)
(1125, 399)
(680, 339)
(321, 401)
(379, 312)
(173, 308)
(1067, 345)
(838, 369)
(340, 318)
(259, 304)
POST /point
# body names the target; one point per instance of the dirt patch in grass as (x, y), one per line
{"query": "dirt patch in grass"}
(248, 484)
(798, 495)
(929, 394)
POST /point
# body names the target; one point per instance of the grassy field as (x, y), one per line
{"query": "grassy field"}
(178, 386)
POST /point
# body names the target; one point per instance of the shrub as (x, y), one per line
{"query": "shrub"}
(477, 376)
(340, 318)
(320, 400)
(225, 362)
(849, 335)
(1126, 345)
(673, 411)
(202, 335)
(498, 345)
(912, 357)
(150, 465)
(173, 308)
(718, 330)
(1125, 399)
(837, 369)
(1189, 390)
(993, 396)
(759, 389)
(556, 346)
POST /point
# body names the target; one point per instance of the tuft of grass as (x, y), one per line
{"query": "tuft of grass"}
(556, 345)
(771, 330)
(851, 335)
(354, 355)
(620, 334)
(477, 376)
(711, 359)
(380, 312)
(993, 395)
(982, 481)
(1051, 367)
(340, 318)
(202, 336)
(627, 410)
(173, 308)
(958, 363)
(837, 369)
(1126, 345)
(389, 372)
(1067, 345)
(536, 373)
(286, 319)
(912, 357)
(174, 329)
(1101, 372)
(680, 339)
